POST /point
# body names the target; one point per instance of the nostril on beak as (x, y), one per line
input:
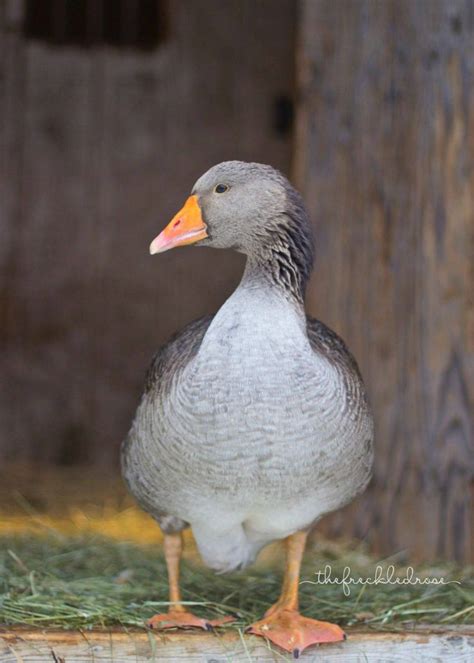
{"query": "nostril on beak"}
(176, 223)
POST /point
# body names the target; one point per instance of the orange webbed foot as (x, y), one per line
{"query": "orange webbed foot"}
(293, 632)
(185, 619)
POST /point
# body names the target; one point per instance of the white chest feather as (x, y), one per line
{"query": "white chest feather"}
(256, 372)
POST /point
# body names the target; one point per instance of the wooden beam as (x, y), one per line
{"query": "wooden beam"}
(385, 147)
(454, 644)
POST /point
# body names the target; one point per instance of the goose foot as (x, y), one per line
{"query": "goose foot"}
(293, 632)
(185, 619)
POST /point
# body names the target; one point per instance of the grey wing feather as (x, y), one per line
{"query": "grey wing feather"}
(176, 354)
(170, 359)
(325, 341)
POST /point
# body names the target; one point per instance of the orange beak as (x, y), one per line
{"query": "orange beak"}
(186, 227)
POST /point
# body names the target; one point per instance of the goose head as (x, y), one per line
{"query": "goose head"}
(251, 208)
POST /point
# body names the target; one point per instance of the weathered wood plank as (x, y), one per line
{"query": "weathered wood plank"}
(453, 645)
(385, 157)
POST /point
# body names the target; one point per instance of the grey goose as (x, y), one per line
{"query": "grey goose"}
(254, 422)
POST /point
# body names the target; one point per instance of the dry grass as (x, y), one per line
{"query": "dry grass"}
(104, 567)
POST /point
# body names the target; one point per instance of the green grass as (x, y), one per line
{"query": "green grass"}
(91, 581)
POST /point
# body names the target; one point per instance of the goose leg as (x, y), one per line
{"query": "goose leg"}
(177, 615)
(282, 623)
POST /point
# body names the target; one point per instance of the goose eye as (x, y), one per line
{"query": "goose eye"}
(221, 188)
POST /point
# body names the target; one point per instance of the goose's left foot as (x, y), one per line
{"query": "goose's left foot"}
(282, 624)
(293, 632)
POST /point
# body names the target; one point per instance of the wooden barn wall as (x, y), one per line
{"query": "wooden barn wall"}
(385, 158)
(99, 148)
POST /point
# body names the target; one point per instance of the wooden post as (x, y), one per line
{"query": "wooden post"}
(385, 158)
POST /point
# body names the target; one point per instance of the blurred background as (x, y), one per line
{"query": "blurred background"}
(111, 109)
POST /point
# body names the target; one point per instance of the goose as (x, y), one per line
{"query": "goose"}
(254, 422)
